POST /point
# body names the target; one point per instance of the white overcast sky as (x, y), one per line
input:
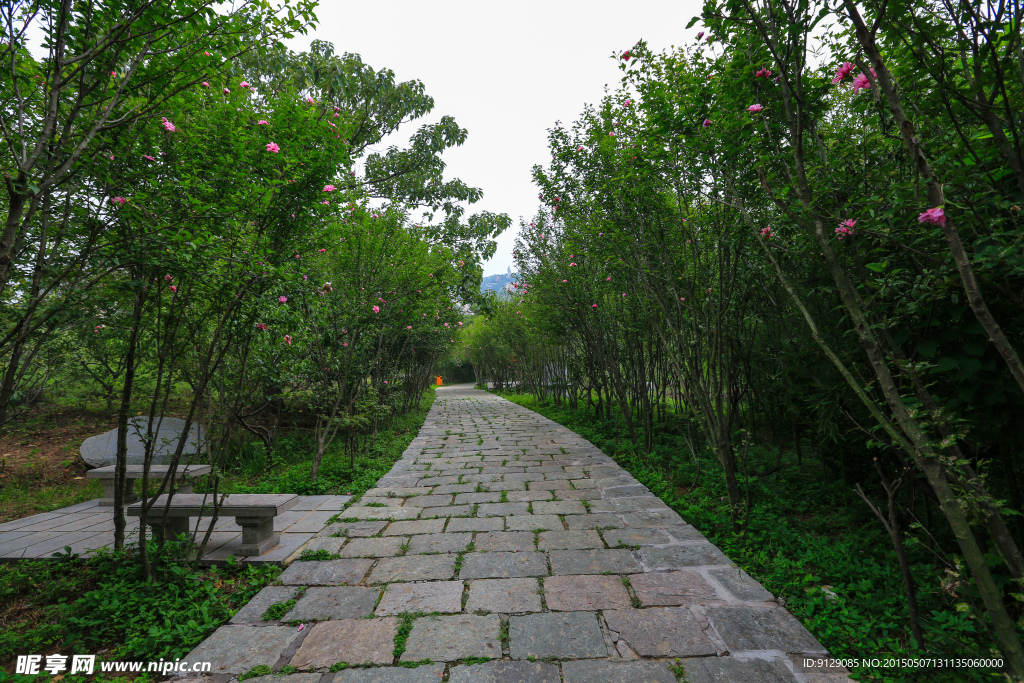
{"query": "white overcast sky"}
(507, 71)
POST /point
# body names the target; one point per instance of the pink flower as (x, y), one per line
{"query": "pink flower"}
(707, 123)
(205, 84)
(263, 122)
(935, 216)
(168, 126)
(168, 277)
(207, 53)
(571, 265)
(861, 82)
(627, 103)
(376, 309)
(612, 134)
(272, 147)
(146, 156)
(288, 340)
(762, 73)
(608, 279)
(842, 72)
(845, 228)
(593, 305)
(600, 234)
(261, 326)
(283, 299)
(580, 148)
(564, 280)
(700, 34)
(309, 99)
(408, 327)
(626, 55)
(173, 288)
(767, 233)
(120, 201)
(329, 188)
(755, 108)
(322, 251)
(344, 344)
(226, 91)
(244, 84)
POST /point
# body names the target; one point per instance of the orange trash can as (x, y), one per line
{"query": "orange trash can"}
(438, 380)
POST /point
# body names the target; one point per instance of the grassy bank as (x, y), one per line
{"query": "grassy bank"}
(810, 542)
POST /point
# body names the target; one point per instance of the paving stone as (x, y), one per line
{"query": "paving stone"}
(503, 565)
(471, 498)
(656, 518)
(505, 485)
(671, 588)
(495, 541)
(393, 674)
(580, 484)
(364, 513)
(356, 641)
(413, 568)
(732, 670)
(562, 635)
(447, 638)
(752, 628)
(660, 631)
(236, 649)
(620, 505)
(679, 556)
(505, 596)
(366, 501)
(569, 540)
(475, 524)
(592, 521)
(506, 672)
(684, 532)
(387, 546)
(397, 491)
(617, 672)
(502, 509)
(252, 612)
(271, 678)
(354, 529)
(435, 596)
(636, 536)
(740, 584)
(449, 511)
(455, 488)
(593, 562)
(326, 573)
(626, 491)
(321, 603)
(533, 522)
(439, 543)
(581, 494)
(559, 507)
(528, 496)
(554, 485)
(590, 592)
(420, 526)
(329, 543)
(430, 501)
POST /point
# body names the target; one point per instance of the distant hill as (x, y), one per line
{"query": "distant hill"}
(498, 282)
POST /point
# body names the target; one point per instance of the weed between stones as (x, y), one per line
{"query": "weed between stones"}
(261, 670)
(317, 555)
(277, 611)
(504, 497)
(405, 628)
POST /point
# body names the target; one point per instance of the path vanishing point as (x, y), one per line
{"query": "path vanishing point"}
(503, 547)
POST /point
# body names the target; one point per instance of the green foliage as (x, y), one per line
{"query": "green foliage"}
(106, 602)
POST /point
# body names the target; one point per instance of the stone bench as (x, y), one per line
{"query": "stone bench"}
(107, 474)
(254, 512)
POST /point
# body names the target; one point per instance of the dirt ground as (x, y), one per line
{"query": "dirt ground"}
(40, 467)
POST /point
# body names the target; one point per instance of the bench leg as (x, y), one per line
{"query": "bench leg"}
(175, 527)
(258, 535)
(108, 492)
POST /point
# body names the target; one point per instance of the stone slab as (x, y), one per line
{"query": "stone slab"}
(448, 638)
(569, 540)
(395, 674)
(732, 670)
(503, 565)
(562, 635)
(387, 546)
(252, 611)
(433, 596)
(593, 562)
(506, 672)
(326, 573)
(498, 541)
(502, 509)
(752, 628)
(533, 522)
(660, 632)
(592, 521)
(636, 536)
(559, 507)
(101, 450)
(333, 602)
(236, 649)
(617, 672)
(439, 543)
(656, 589)
(740, 584)
(356, 641)
(588, 592)
(475, 524)
(413, 568)
(354, 529)
(505, 596)
(681, 556)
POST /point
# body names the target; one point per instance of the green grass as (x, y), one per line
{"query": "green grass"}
(802, 538)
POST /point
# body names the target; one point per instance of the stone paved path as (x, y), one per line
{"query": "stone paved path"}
(503, 547)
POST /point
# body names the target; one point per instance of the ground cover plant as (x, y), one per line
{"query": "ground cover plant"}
(808, 541)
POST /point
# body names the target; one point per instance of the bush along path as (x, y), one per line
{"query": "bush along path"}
(505, 547)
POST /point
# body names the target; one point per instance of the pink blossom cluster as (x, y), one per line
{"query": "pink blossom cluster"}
(767, 233)
(168, 126)
(762, 73)
(845, 228)
(845, 70)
